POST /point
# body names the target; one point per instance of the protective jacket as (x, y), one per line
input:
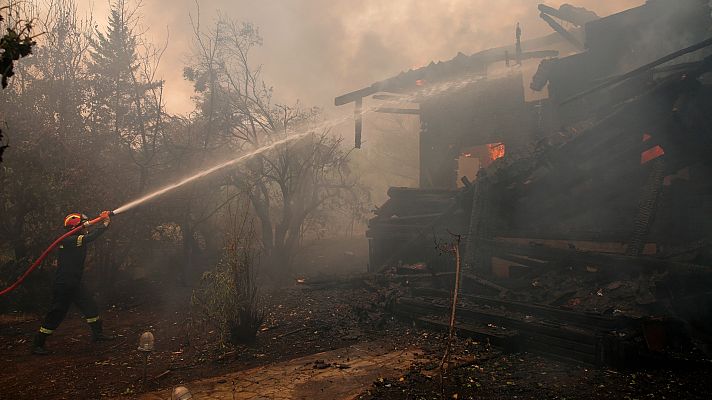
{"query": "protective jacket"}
(71, 255)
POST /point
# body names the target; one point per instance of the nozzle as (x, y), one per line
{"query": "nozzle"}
(104, 215)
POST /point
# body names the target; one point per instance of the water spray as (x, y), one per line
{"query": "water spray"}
(107, 214)
(430, 91)
(208, 171)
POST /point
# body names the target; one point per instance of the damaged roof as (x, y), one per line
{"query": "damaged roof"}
(461, 66)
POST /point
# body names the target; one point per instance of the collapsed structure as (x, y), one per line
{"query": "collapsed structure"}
(584, 215)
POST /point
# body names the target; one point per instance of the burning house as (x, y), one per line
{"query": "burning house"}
(584, 214)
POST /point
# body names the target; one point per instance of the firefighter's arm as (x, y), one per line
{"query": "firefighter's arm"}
(107, 218)
(91, 236)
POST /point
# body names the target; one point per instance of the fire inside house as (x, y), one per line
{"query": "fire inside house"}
(593, 197)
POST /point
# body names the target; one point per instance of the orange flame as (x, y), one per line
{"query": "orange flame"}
(651, 154)
(496, 150)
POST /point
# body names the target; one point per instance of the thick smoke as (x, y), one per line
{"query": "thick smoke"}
(317, 49)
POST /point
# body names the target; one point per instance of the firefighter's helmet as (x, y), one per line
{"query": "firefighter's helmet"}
(73, 220)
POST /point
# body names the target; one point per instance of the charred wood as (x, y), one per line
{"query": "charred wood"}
(552, 338)
(576, 15)
(647, 208)
(607, 260)
(562, 31)
(637, 71)
(586, 320)
(484, 282)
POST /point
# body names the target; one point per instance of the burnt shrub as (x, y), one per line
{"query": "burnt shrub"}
(228, 296)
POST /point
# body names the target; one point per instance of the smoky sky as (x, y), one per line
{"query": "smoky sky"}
(315, 50)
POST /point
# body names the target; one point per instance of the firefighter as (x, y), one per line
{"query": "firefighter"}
(68, 288)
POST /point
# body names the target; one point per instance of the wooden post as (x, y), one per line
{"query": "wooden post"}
(519, 44)
(444, 364)
(359, 121)
(476, 254)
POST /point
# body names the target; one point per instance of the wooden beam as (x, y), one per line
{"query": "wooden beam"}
(562, 31)
(392, 110)
(608, 260)
(578, 16)
(358, 116)
(388, 97)
(640, 70)
(537, 54)
(355, 95)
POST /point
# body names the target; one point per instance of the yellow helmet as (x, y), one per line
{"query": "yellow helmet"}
(73, 220)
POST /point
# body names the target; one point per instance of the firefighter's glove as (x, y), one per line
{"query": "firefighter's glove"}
(107, 218)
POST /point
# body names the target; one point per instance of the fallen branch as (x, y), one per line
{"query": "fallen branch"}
(485, 282)
(292, 332)
(225, 355)
(162, 374)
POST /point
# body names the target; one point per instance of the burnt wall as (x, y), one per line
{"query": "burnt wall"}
(592, 187)
(484, 112)
(625, 41)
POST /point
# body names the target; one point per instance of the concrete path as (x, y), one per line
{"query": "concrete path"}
(352, 370)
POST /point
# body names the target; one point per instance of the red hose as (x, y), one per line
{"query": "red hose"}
(46, 253)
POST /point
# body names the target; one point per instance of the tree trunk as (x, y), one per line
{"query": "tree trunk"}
(187, 233)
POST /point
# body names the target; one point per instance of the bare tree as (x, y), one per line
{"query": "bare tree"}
(290, 186)
(44, 107)
(17, 40)
(15, 44)
(68, 155)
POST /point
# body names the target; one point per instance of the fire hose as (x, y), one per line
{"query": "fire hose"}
(104, 215)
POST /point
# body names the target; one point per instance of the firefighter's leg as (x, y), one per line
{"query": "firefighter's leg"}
(61, 301)
(86, 304)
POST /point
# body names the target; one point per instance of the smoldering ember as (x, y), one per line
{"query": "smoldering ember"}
(248, 200)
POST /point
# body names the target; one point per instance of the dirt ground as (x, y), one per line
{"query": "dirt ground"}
(301, 320)
(494, 375)
(335, 374)
(298, 323)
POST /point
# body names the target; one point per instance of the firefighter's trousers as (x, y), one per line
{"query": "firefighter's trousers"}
(63, 297)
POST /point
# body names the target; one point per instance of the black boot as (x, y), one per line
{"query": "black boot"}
(38, 345)
(97, 333)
